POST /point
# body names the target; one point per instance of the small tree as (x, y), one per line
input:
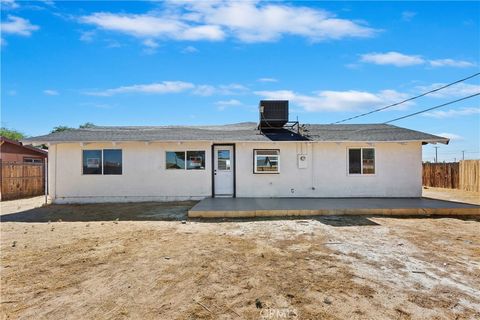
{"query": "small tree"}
(86, 125)
(11, 134)
(60, 129)
(65, 128)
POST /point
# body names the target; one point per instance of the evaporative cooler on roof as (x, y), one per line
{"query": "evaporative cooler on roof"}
(273, 113)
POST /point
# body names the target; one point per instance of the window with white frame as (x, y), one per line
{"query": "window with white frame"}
(185, 160)
(33, 160)
(103, 161)
(266, 161)
(361, 161)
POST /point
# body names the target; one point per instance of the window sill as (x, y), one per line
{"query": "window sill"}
(266, 172)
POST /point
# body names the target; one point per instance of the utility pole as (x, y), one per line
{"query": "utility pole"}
(436, 154)
(463, 154)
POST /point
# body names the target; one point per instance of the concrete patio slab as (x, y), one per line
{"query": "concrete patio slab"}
(263, 207)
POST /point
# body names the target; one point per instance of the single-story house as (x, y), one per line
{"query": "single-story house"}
(271, 158)
(15, 151)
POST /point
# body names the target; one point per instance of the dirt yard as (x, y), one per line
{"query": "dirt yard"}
(456, 195)
(315, 268)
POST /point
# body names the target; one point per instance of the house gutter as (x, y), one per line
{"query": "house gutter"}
(433, 141)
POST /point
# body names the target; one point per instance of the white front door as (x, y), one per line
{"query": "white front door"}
(223, 171)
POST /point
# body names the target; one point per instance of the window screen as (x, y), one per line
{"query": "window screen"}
(267, 161)
(112, 161)
(368, 156)
(175, 160)
(361, 161)
(354, 161)
(32, 160)
(92, 161)
(195, 160)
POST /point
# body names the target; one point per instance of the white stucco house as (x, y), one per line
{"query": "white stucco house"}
(266, 159)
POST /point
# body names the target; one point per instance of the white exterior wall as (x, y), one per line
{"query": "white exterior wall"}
(398, 172)
(143, 178)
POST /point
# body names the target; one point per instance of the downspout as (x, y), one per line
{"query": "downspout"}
(45, 174)
(313, 167)
(55, 179)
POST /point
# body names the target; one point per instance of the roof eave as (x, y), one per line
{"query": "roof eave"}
(435, 141)
(423, 141)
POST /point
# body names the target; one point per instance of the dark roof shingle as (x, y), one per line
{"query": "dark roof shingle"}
(240, 132)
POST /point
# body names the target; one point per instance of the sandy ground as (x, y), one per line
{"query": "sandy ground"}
(452, 195)
(11, 206)
(315, 268)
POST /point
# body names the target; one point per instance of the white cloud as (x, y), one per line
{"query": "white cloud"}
(150, 46)
(404, 60)
(113, 43)
(152, 26)
(9, 4)
(87, 36)
(267, 80)
(18, 26)
(48, 2)
(451, 63)
(233, 88)
(392, 58)
(246, 21)
(189, 49)
(50, 92)
(229, 89)
(440, 114)
(167, 87)
(335, 100)
(451, 136)
(204, 90)
(408, 15)
(96, 105)
(222, 104)
(154, 88)
(253, 22)
(150, 43)
(457, 90)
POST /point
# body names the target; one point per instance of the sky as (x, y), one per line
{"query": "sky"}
(210, 62)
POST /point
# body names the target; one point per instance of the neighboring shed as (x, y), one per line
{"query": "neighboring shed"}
(15, 151)
(22, 170)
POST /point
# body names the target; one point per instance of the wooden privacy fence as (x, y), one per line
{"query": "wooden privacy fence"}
(441, 175)
(463, 175)
(470, 175)
(21, 180)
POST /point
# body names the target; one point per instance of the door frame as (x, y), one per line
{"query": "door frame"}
(234, 167)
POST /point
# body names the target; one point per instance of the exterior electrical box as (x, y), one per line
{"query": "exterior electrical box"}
(273, 113)
(302, 161)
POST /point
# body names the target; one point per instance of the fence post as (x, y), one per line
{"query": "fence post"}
(1, 179)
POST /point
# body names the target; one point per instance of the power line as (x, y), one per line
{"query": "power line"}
(409, 99)
(450, 153)
(436, 107)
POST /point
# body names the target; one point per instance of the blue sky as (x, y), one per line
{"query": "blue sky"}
(210, 62)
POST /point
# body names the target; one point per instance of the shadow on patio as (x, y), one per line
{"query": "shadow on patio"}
(140, 211)
(177, 211)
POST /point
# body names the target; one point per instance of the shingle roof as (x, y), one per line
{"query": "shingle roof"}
(241, 132)
(18, 143)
